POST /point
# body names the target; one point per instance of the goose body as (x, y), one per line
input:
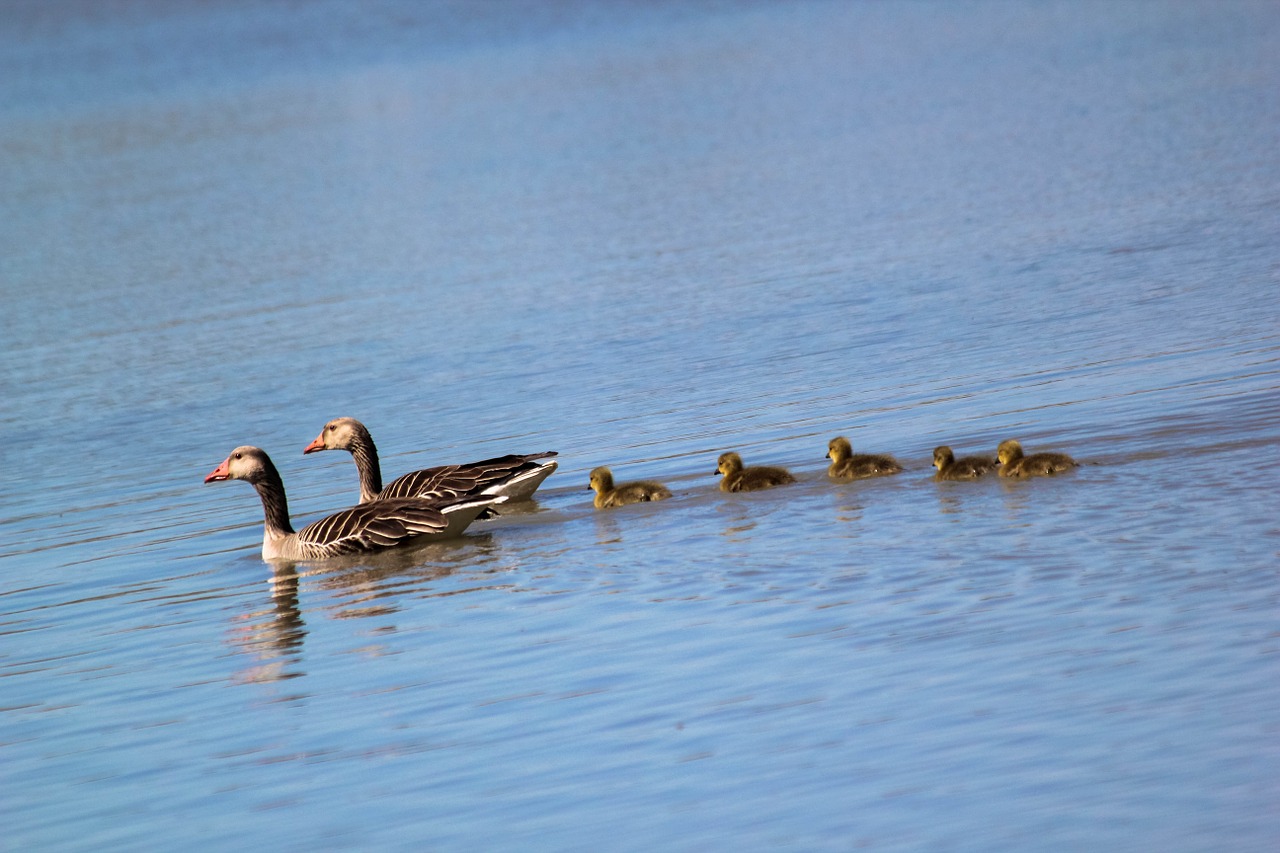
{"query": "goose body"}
(368, 527)
(514, 476)
(608, 495)
(847, 465)
(1014, 464)
(740, 479)
(965, 468)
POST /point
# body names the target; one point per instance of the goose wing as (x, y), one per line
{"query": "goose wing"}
(371, 526)
(449, 481)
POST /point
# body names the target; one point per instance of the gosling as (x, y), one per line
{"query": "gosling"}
(965, 468)
(739, 479)
(608, 495)
(847, 465)
(1014, 464)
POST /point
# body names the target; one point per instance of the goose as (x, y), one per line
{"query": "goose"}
(847, 465)
(1013, 464)
(515, 476)
(739, 479)
(608, 495)
(367, 527)
(965, 468)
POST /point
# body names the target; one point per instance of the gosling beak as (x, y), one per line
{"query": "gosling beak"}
(222, 472)
(314, 446)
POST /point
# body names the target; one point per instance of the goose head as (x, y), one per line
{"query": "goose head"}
(339, 434)
(246, 463)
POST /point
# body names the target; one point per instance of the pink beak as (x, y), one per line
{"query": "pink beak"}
(314, 446)
(222, 472)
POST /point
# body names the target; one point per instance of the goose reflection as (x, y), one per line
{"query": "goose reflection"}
(381, 583)
(274, 635)
(376, 585)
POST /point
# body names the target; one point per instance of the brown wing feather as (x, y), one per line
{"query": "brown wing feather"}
(367, 527)
(447, 481)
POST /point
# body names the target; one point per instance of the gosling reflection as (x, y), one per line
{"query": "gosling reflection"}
(848, 510)
(608, 531)
(739, 521)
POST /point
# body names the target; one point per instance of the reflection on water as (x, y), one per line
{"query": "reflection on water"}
(643, 234)
(367, 587)
(273, 636)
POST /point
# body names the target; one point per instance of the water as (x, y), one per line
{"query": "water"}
(642, 235)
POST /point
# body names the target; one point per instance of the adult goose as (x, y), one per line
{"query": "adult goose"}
(367, 527)
(740, 479)
(608, 495)
(847, 465)
(1014, 464)
(965, 468)
(515, 476)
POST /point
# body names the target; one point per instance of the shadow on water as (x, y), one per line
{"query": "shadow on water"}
(369, 586)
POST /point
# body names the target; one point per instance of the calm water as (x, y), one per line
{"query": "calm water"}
(642, 235)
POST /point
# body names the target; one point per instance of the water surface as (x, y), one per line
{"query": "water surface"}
(641, 235)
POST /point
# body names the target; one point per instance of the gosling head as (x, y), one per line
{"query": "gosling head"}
(1009, 451)
(728, 463)
(839, 448)
(942, 457)
(601, 479)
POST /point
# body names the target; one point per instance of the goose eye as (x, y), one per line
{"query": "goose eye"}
(237, 455)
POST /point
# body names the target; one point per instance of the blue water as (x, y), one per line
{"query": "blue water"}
(643, 234)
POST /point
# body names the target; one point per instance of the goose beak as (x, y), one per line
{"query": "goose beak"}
(317, 444)
(222, 472)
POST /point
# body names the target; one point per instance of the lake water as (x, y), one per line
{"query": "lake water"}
(643, 234)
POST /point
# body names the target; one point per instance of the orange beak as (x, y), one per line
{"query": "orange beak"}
(314, 446)
(222, 472)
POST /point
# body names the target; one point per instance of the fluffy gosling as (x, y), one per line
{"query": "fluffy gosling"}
(965, 468)
(740, 479)
(847, 465)
(608, 495)
(1014, 464)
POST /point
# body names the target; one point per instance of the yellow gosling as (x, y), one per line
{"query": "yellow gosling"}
(966, 468)
(608, 495)
(740, 479)
(1014, 464)
(847, 465)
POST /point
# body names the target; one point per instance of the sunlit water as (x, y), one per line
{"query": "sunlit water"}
(641, 236)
